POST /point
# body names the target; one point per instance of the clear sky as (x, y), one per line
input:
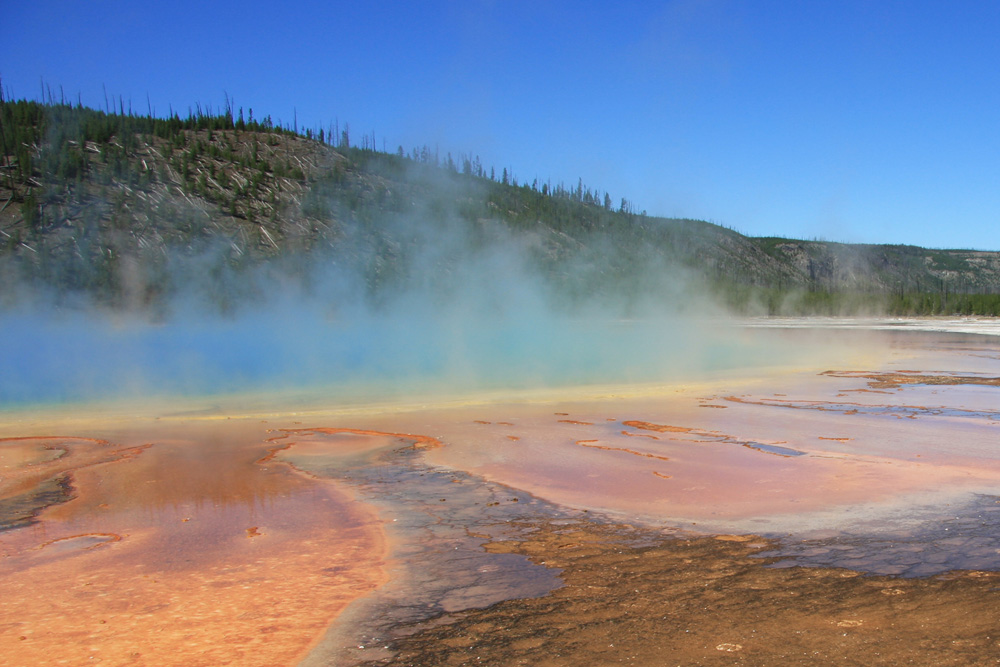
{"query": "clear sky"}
(845, 120)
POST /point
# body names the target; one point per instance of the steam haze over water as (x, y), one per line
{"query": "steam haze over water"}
(75, 355)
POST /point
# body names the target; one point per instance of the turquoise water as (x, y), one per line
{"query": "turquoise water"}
(75, 356)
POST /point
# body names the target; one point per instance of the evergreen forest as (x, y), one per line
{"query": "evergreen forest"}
(125, 210)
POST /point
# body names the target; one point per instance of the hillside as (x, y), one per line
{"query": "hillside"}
(130, 211)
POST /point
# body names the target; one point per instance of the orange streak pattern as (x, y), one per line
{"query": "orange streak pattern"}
(585, 443)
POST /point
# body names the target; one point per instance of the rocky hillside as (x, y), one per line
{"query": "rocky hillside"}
(127, 211)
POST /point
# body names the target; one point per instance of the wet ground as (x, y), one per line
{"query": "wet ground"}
(847, 513)
(966, 538)
(184, 547)
(708, 601)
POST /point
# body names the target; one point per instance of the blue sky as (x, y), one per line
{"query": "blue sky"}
(860, 121)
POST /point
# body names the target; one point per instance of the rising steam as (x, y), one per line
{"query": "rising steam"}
(423, 301)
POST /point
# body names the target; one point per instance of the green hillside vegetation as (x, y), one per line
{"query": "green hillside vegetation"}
(128, 211)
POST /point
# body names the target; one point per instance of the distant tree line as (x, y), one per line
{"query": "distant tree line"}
(96, 187)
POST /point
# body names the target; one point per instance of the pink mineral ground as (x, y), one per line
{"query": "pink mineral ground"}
(220, 535)
(182, 545)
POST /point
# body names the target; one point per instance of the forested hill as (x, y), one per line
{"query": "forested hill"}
(127, 211)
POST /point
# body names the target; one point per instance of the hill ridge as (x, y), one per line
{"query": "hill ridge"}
(115, 208)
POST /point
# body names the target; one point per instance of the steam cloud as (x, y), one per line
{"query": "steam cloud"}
(459, 307)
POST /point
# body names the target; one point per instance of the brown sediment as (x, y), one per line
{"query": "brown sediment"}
(813, 405)
(830, 406)
(573, 421)
(709, 601)
(757, 448)
(735, 538)
(272, 452)
(586, 443)
(713, 437)
(639, 435)
(417, 440)
(881, 380)
(513, 438)
(659, 428)
(84, 541)
(898, 411)
(835, 439)
(866, 391)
